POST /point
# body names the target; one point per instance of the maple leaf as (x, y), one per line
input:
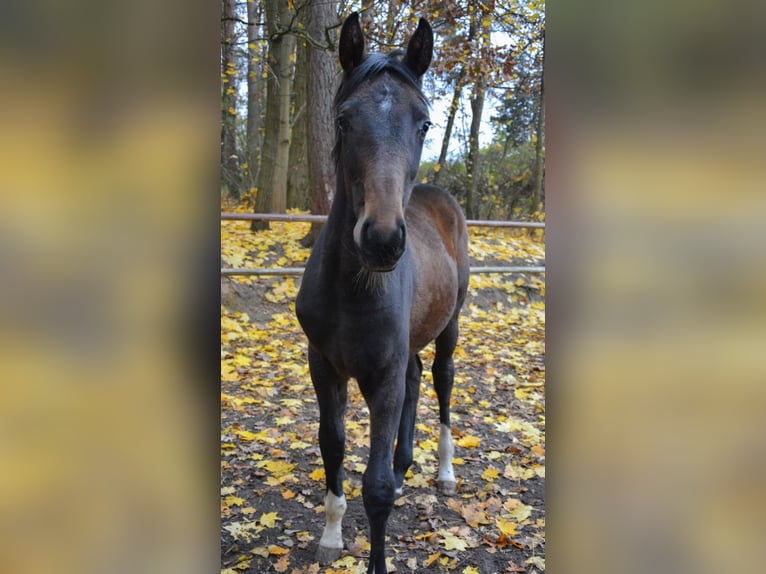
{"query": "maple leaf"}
(276, 467)
(269, 519)
(490, 474)
(317, 474)
(246, 435)
(506, 526)
(452, 542)
(474, 516)
(468, 441)
(517, 509)
(234, 500)
(282, 564)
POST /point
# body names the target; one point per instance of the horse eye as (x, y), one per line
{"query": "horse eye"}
(343, 123)
(424, 128)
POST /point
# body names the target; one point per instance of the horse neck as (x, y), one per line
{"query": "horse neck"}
(340, 228)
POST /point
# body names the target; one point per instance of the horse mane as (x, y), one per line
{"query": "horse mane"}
(372, 66)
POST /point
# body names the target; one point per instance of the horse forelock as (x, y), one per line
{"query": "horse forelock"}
(372, 66)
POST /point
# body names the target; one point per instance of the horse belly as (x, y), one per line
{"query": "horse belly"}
(434, 300)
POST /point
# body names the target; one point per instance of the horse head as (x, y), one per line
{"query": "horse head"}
(382, 118)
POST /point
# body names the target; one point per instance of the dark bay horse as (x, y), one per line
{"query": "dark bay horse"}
(387, 276)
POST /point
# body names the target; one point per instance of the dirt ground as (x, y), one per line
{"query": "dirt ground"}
(272, 488)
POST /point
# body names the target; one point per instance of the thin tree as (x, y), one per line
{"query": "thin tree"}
(297, 180)
(537, 194)
(231, 174)
(454, 105)
(255, 93)
(480, 31)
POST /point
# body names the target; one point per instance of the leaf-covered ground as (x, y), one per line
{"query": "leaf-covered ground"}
(272, 483)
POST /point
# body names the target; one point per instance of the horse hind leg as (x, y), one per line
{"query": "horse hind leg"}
(403, 453)
(444, 373)
(331, 390)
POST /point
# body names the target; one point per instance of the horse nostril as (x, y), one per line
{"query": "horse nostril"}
(367, 231)
(402, 233)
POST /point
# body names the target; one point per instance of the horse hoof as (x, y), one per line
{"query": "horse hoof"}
(326, 555)
(446, 486)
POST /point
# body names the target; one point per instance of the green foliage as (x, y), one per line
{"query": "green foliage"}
(506, 180)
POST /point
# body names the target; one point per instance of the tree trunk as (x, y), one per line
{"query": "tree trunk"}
(297, 194)
(320, 127)
(254, 94)
(285, 54)
(473, 167)
(479, 32)
(230, 169)
(450, 124)
(272, 173)
(537, 195)
(271, 121)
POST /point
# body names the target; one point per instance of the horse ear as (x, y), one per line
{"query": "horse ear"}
(352, 47)
(420, 49)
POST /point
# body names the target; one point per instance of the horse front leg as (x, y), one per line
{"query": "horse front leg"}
(331, 390)
(444, 373)
(385, 397)
(403, 454)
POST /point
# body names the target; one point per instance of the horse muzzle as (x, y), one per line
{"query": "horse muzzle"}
(380, 249)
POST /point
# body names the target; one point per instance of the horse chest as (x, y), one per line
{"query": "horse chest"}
(356, 340)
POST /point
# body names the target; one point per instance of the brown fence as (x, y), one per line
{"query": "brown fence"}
(228, 216)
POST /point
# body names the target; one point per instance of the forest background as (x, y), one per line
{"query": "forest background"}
(279, 74)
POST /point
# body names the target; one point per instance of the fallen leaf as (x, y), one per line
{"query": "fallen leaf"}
(452, 542)
(269, 519)
(468, 441)
(506, 526)
(282, 564)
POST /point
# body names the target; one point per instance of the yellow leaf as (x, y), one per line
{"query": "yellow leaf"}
(245, 435)
(452, 542)
(470, 570)
(277, 550)
(276, 467)
(269, 519)
(537, 561)
(317, 474)
(518, 510)
(490, 474)
(507, 527)
(346, 562)
(234, 500)
(437, 167)
(432, 558)
(429, 445)
(469, 441)
(241, 361)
